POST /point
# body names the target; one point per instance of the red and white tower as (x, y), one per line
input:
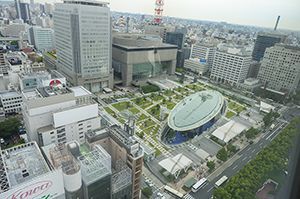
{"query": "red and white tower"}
(159, 4)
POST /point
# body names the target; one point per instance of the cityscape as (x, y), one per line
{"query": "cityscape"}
(103, 104)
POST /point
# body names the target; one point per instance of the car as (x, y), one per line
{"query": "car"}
(2, 141)
(159, 194)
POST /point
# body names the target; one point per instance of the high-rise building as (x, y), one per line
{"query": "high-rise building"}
(83, 43)
(175, 38)
(160, 30)
(280, 68)
(123, 148)
(3, 66)
(58, 114)
(41, 38)
(265, 40)
(231, 64)
(23, 11)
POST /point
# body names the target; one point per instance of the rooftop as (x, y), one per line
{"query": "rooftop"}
(45, 92)
(80, 91)
(21, 163)
(175, 164)
(95, 164)
(229, 130)
(140, 42)
(195, 110)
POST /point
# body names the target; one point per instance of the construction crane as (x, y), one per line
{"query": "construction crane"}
(158, 11)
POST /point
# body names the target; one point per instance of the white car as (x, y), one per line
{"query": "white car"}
(2, 141)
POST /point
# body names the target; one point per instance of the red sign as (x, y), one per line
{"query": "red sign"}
(31, 191)
(54, 83)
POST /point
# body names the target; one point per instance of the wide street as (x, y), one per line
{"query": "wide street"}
(239, 160)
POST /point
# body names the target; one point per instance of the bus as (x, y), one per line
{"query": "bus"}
(173, 192)
(198, 185)
(221, 181)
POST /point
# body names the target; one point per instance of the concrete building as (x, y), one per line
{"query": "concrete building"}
(25, 173)
(33, 80)
(196, 66)
(11, 102)
(205, 51)
(83, 43)
(280, 68)
(23, 11)
(160, 30)
(13, 30)
(41, 38)
(250, 84)
(57, 114)
(139, 57)
(231, 64)
(3, 65)
(265, 40)
(123, 147)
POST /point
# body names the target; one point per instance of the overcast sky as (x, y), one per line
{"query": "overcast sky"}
(248, 12)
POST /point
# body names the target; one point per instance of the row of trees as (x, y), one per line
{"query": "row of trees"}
(268, 118)
(271, 159)
(251, 133)
(226, 152)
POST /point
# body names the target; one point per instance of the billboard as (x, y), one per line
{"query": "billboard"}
(48, 186)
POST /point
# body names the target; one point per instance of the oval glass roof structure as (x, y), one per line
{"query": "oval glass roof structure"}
(195, 110)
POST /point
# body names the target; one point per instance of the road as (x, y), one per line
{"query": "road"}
(244, 157)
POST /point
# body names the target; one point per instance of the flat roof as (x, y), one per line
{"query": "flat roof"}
(195, 110)
(229, 130)
(23, 163)
(80, 91)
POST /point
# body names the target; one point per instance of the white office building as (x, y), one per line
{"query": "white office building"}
(204, 51)
(57, 114)
(41, 38)
(280, 68)
(196, 66)
(231, 64)
(11, 102)
(83, 43)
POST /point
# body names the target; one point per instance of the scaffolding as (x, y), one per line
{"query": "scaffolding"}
(95, 164)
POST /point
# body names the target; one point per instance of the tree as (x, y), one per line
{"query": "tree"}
(147, 191)
(211, 165)
(9, 127)
(222, 154)
(231, 148)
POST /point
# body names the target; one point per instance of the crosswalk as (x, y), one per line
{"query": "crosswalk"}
(188, 196)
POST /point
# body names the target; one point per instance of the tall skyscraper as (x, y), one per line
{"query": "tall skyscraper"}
(263, 41)
(23, 11)
(83, 43)
(175, 38)
(280, 68)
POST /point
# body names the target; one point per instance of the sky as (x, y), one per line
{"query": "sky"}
(246, 12)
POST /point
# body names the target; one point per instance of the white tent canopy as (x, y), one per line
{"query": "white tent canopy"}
(176, 164)
(229, 130)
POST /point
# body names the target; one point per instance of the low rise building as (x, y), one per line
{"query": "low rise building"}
(57, 114)
(11, 102)
(196, 66)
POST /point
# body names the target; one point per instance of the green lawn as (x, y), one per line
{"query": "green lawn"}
(157, 152)
(122, 106)
(109, 111)
(142, 117)
(154, 111)
(156, 97)
(235, 107)
(168, 93)
(230, 114)
(134, 110)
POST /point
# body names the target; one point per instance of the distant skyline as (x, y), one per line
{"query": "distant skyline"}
(245, 12)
